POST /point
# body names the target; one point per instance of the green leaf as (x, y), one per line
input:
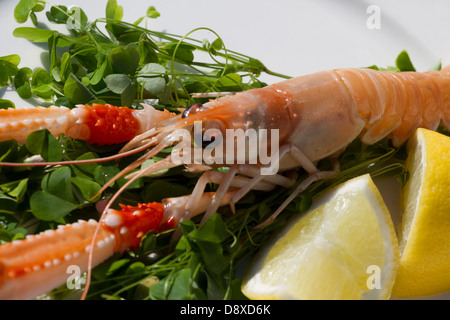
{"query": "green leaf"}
(77, 19)
(7, 204)
(65, 66)
(34, 19)
(118, 82)
(236, 292)
(160, 189)
(173, 287)
(8, 68)
(403, 62)
(23, 10)
(151, 77)
(373, 67)
(136, 268)
(148, 244)
(125, 59)
(8, 149)
(22, 82)
(152, 13)
(17, 189)
(41, 84)
(184, 52)
(57, 14)
(52, 151)
(12, 58)
(436, 67)
(231, 82)
(113, 11)
(116, 266)
(34, 34)
(58, 183)
(5, 104)
(128, 95)
(76, 92)
(147, 51)
(88, 188)
(52, 50)
(305, 202)
(217, 44)
(42, 142)
(63, 102)
(138, 21)
(40, 6)
(213, 230)
(255, 63)
(209, 237)
(122, 84)
(102, 174)
(48, 207)
(100, 73)
(85, 170)
(153, 69)
(153, 85)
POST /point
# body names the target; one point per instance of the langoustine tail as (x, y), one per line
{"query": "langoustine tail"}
(395, 104)
(19, 123)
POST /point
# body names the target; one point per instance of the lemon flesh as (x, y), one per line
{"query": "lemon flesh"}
(344, 247)
(424, 233)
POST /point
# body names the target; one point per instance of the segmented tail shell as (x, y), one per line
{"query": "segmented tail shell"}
(19, 123)
(395, 104)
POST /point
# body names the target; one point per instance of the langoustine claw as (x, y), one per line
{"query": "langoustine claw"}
(39, 263)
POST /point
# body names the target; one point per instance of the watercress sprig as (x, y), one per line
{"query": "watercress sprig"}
(127, 64)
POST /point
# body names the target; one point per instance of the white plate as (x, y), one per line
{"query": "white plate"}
(289, 37)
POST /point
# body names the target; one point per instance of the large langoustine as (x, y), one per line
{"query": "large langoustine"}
(314, 116)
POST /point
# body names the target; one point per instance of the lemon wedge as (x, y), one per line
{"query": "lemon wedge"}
(424, 232)
(344, 247)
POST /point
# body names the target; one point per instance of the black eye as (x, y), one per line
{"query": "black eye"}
(192, 109)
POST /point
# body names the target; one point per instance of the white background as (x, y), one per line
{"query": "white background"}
(293, 37)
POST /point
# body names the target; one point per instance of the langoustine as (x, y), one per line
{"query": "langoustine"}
(314, 117)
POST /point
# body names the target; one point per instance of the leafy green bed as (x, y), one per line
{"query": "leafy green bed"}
(108, 60)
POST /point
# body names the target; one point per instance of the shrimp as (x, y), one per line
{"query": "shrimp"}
(313, 117)
(306, 119)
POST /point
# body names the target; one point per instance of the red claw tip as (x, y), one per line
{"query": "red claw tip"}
(111, 125)
(132, 222)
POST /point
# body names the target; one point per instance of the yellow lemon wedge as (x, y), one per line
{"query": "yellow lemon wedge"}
(424, 232)
(343, 248)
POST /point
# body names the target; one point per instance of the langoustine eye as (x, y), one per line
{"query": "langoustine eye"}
(193, 109)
